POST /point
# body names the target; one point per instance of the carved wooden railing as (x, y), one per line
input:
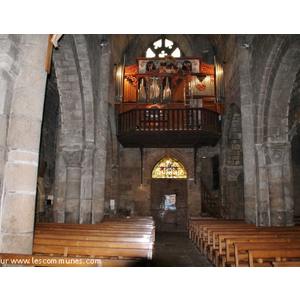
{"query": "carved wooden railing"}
(166, 119)
(211, 205)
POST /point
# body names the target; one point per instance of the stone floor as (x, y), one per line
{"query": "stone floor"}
(174, 249)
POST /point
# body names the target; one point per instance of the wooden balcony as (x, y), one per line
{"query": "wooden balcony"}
(169, 127)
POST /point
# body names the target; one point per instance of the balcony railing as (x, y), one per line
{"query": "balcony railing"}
(168, 123)
(183, 119)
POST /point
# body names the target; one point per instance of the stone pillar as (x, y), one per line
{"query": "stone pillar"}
(280, 183)
(86, 202)
(19, 188)
(101, 136)
(73, 183)
(263, 209)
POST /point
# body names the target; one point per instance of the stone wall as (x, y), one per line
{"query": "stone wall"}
(135, 187)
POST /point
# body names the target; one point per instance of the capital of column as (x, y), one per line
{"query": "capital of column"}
(275, 153)
(72, 157)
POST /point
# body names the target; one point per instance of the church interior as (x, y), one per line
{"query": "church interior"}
(122, 139)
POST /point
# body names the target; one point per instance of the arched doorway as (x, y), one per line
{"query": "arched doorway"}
(169, 194)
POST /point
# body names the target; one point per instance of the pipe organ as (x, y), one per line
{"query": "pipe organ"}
(169, 82)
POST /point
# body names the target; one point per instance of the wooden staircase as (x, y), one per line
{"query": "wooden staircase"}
(210, 205)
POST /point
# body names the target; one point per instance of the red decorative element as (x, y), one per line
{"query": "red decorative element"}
(212, 78)
(131, 70)
(133, 81)
(174, 80)
(201, 87)
(207, 69)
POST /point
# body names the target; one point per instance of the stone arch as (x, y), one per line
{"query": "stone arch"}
(154, 159)
(178, 173)
(71, 108)
(71, 134)
(275, 203)
(279, 76)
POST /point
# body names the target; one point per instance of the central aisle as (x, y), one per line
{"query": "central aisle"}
(174, 249)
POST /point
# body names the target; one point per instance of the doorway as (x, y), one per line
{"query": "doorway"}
(169, 204)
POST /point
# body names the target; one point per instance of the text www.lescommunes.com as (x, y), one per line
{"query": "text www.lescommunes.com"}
(49, 261)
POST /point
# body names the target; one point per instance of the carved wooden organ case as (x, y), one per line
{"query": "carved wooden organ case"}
(169, 82)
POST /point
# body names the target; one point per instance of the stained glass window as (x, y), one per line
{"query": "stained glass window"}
(169, 167)
(163, 47)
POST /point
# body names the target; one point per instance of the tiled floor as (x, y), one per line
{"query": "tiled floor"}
(174, 249)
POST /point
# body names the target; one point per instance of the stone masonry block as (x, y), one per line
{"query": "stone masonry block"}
(21, 177)
(73, 173)
(24, 133)
(31, 79)
(16, 243)
(73, 189)
(18, 155)
(28, 103)
(72, 205)
(18, 213)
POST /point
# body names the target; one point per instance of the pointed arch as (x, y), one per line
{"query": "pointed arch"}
(169, 167)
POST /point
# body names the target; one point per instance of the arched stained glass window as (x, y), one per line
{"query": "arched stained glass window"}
(169, 167)
(162, 48)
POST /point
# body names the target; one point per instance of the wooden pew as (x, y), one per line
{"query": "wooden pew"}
(47, 261)
(192, 223)
(220, 259)
(212, 243)
(82, 237)
(265, 257)
(241, 250)
(230, 260)
(202, 232)
(94, 244)
(118, 243)
(286, 263)
(195, 226)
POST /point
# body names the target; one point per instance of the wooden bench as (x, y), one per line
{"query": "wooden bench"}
(192, 223)
(82, 237)
(202, 232)
(241, 250)
(212, 242)
(94, 244)
(195, 226)
(219, 251)
(46, 261)
(118, 243)
(222, 257)
(286, 263)
(229, 260)
(265, 257)
(95, 252)
(220, 254)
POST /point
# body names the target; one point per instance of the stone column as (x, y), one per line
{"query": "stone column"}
(280, 183)
(86, 201)
(73, 183)
(20, 171)
(101, 136)
(263, 208)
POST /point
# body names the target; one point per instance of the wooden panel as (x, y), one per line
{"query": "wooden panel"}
(129, 92)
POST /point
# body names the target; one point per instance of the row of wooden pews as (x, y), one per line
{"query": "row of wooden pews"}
(119, 242)
(233, 243)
